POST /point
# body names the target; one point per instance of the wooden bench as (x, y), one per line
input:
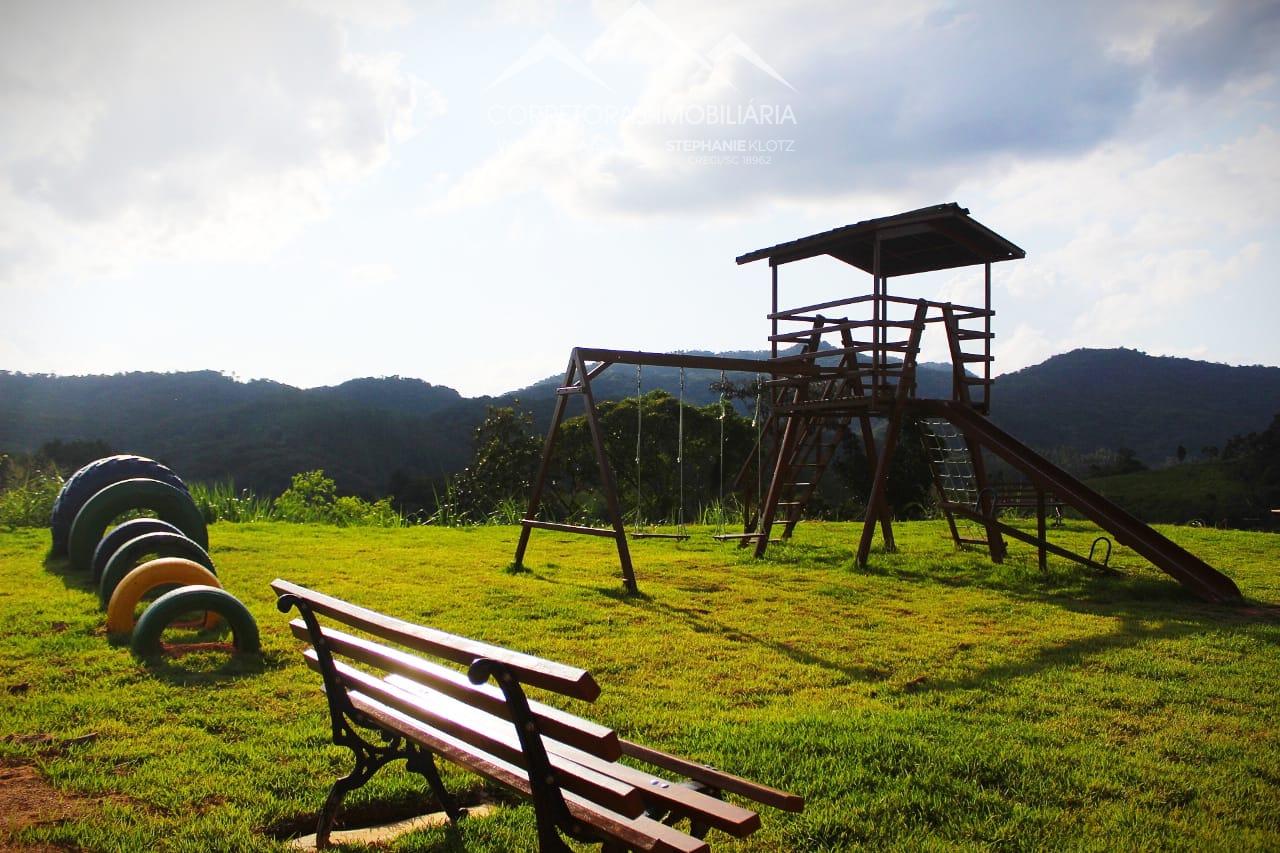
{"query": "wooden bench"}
(1024, 496)
(567, 766)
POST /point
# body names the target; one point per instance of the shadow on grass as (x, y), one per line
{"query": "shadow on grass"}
(361, 813)
(1135, 625)
(699, 621)
(202, 656)
(206, 664)
(1145, 606)
(71, 578)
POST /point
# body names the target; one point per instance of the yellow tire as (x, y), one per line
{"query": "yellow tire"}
(166, 571)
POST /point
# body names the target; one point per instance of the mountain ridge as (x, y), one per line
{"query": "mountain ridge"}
(369, 430)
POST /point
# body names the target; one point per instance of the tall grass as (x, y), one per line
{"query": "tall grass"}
(27, 492)
(221, 502)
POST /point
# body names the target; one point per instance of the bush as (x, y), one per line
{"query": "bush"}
(313, 498)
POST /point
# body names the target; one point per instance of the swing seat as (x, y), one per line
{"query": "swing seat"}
(726, 537)
(643, 535)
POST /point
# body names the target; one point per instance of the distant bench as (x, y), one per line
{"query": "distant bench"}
(567, 766)
(1023, 496)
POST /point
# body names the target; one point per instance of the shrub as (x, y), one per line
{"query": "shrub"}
(313, 498)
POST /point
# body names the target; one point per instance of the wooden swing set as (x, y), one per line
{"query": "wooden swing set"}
(856, 361)
(585, 365)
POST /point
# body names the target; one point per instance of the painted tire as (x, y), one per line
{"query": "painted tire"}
(145, 578)
(146, 634)
(168, 502)
(121, 534)
(93, 478)
(126, 558)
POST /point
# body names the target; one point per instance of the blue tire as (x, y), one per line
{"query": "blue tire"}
(93, 478)
(121, 534)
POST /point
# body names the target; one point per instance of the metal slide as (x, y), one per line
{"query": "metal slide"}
(1186, 568)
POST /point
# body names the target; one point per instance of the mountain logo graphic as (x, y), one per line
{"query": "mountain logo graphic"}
(638, 19)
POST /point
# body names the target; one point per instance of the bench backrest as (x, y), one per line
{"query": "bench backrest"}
(532, 671)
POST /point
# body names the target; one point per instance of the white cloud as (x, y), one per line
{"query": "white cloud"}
(906, 100)
(143, 131)
(372, 274)
(527, 12)
(1027, 345)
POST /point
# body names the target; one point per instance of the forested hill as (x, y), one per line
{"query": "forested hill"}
(1121, 398)
(367, 431)
(211, 427)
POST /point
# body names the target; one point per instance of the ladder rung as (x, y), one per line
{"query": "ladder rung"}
(967, 358)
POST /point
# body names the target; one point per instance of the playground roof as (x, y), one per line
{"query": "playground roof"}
(931, 238)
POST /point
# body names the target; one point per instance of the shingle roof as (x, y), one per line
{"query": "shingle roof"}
(931, 238)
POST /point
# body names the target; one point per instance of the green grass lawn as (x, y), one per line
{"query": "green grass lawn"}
(934, 701)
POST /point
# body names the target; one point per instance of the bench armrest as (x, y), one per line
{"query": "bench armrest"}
(550, 810)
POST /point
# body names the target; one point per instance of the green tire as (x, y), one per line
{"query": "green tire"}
(128, 555)
(168, 503)
(171, 605)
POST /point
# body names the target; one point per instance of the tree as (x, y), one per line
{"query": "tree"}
(910, 478)
(504, 459)
(71, 456)
(1256, 457)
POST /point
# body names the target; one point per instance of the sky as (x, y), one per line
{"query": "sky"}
(462, 192)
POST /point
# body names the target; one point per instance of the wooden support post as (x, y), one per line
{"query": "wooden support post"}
(885, 515)
(986, 364)
(607, 482)
(995, 542)
(535, 494)
(1040, 531)
(877, 501)
(773, 335)
(785, 448)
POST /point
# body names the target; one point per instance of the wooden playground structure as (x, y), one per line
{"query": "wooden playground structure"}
(856, 362)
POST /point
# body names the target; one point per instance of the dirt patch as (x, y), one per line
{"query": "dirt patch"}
(181, 650)
(27, 800)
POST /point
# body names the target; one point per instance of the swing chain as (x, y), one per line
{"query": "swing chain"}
(639, 423)
(680, 454)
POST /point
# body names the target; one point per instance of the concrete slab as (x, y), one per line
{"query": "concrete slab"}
(387, 832)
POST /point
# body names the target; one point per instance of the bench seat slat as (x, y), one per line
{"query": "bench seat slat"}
(487, 733)
(728, 817)
(681, 799)
(640, 833)
(410, 672)
(779, 799)
(531, 670)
